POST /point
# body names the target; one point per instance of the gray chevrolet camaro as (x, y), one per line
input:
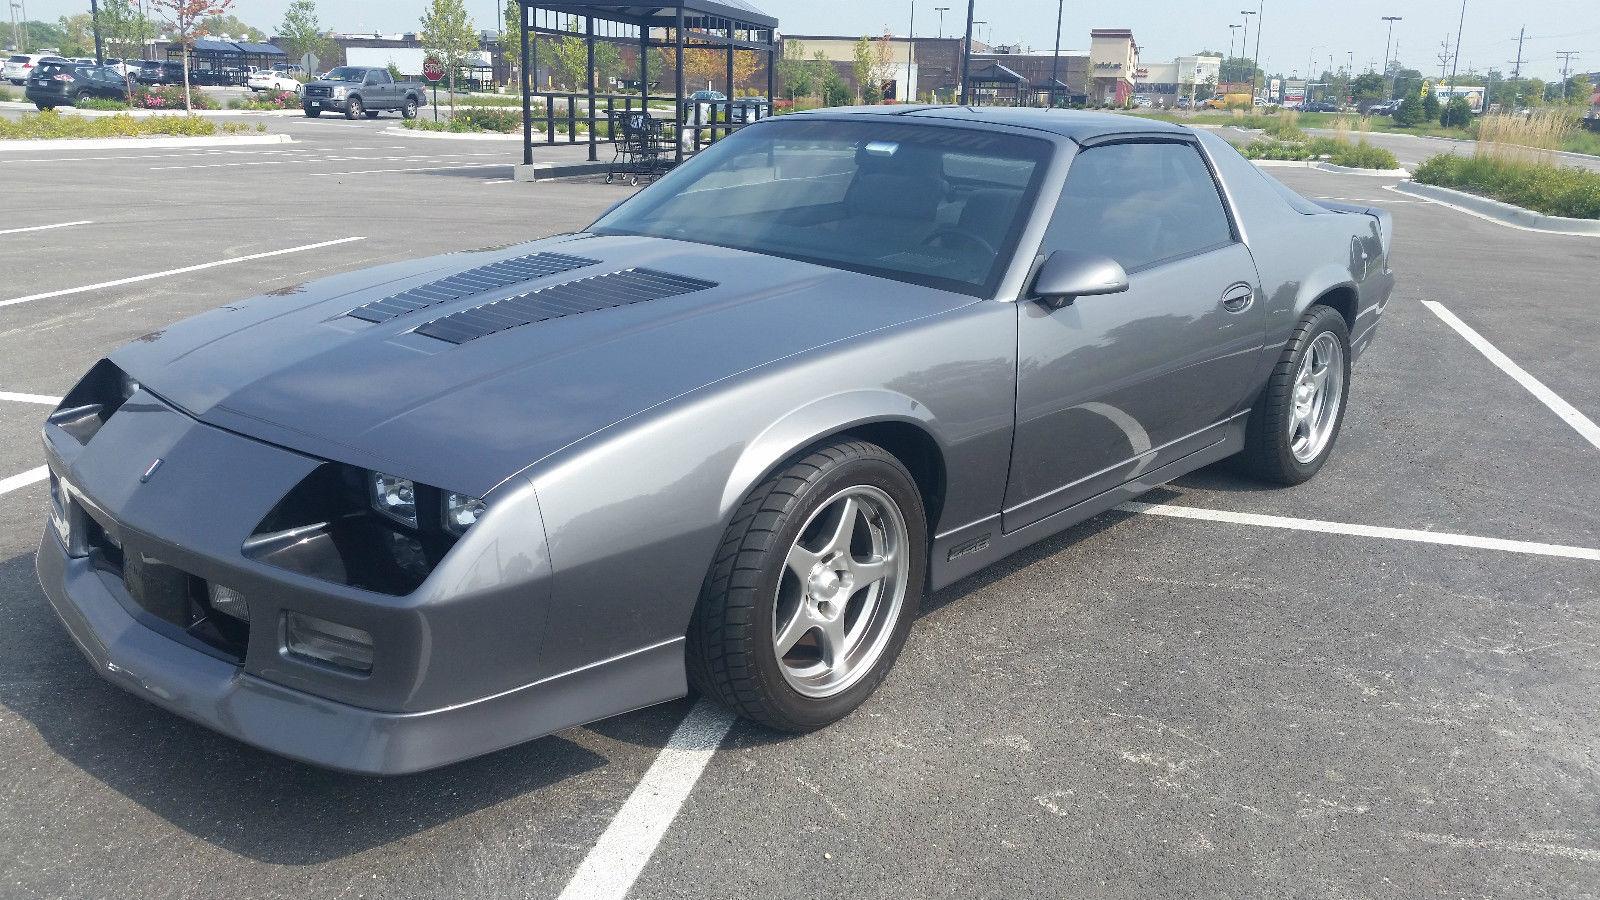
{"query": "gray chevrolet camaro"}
(728, 436)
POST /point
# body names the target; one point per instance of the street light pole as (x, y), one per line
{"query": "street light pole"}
(1387, 44)
(94, 18)
(966, 55)
(911, 56)
(1244, 50)
(941, 10)
(1055, 65)
(1456, 61)
(1255, 64)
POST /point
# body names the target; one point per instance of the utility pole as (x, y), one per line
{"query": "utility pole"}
(1516, 72)
(1456, 60)
(1387, 44)
(1055, 65)
(1444, 56)
(966, 55)
(1566, 69)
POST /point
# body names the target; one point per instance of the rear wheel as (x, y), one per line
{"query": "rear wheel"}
(1296, 420)
(353, 108)
(409, 111)
(814, 589)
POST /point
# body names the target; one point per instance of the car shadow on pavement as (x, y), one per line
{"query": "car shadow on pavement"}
(234, 796)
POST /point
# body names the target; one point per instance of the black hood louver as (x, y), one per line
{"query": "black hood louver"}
(473, 281)
(558, 301)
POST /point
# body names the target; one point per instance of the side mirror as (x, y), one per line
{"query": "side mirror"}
(1070, 274)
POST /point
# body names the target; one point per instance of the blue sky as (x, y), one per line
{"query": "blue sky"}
(1164, 28)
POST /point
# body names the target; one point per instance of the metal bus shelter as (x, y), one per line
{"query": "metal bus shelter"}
(726, 27)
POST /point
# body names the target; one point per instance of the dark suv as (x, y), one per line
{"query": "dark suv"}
(54, 84)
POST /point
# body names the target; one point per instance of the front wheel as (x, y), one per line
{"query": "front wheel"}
(814, 589)
(353, 108)
(313, 113)
(1297, 418)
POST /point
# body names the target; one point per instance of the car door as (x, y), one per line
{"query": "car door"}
(1110, 388)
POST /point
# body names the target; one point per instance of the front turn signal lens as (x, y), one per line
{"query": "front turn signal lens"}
(327, 642)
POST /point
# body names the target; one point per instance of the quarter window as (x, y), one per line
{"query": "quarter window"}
(1140, 204)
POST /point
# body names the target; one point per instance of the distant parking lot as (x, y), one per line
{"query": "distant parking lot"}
(1379, 684)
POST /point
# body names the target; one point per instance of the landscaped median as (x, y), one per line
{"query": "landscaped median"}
(1557, 198)
(85, 132)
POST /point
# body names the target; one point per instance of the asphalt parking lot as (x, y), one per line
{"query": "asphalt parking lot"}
(1248, 701)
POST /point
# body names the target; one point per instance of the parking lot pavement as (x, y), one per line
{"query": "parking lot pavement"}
(1144, 706)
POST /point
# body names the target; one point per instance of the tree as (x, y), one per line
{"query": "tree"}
(1409, 115)
(302, 30)
(79, 33)
(795, 72)
(1430, 104)
(1407, 82)
(1457, 113)
(861, 67)
(447, 33)
(834, 91)
(1239, 69)
(231, 25)
(124, 28)
(187, 19)
(1368, 89)
(511, 34)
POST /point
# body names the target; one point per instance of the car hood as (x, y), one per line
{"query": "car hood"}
(294, 369)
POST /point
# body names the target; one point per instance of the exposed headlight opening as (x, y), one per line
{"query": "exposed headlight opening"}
(394, 497)
(92, 403)
(462, 512)
(366, 529)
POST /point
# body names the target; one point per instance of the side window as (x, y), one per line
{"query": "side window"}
(1140, 204)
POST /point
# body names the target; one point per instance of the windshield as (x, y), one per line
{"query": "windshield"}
(930, 205)
(346, 73)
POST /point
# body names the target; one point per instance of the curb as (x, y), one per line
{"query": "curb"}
(451, 136)
(551, 171)
(1496, 211)
(1329, 168)
(227, 140)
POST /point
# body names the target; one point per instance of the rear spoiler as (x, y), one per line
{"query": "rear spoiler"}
(1385, 221)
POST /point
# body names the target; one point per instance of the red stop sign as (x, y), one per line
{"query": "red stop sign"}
(433, 68)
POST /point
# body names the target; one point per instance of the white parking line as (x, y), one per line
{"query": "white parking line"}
(17, 482)
(44, 227)
(186, 269)
(1569, 414)
(40, 399)
(616, 860)
(421, 169)
(1393, 534)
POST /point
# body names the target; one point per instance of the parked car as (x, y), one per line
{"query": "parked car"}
(19, 66)
(56, 84)
(152, 71)
(269, 80)
(359, 90)
(1386, 108)
(127, 68)
(730, 434)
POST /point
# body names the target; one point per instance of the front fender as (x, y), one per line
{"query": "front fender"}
(818, 419)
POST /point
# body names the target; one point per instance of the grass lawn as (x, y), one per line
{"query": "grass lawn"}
(1579, 142)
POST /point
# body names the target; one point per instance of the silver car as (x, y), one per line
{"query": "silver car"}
(728, 436)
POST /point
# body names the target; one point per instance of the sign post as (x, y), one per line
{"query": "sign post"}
(433, 70)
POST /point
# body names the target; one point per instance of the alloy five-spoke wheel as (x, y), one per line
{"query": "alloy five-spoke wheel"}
(1318, 390)
(1296, 420)
(840, 597)
(814, 588)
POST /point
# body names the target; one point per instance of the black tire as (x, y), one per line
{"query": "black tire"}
(44, 107)
(409, 111)
(353, 109)
(313, 113)
(730, 650)
(1268, 453)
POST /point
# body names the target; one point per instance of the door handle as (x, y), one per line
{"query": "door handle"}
(1238, 298)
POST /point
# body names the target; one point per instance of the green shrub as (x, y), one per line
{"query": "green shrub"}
(7, 95)
(267, 102)
(1355, 156)
(484, 118)
(170, 96)
(1410, 114)
(100, 103)
(1457, 114)
(50, 124)
(1540, 186)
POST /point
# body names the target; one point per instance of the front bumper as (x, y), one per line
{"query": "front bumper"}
(457, 668)
(326, 104)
